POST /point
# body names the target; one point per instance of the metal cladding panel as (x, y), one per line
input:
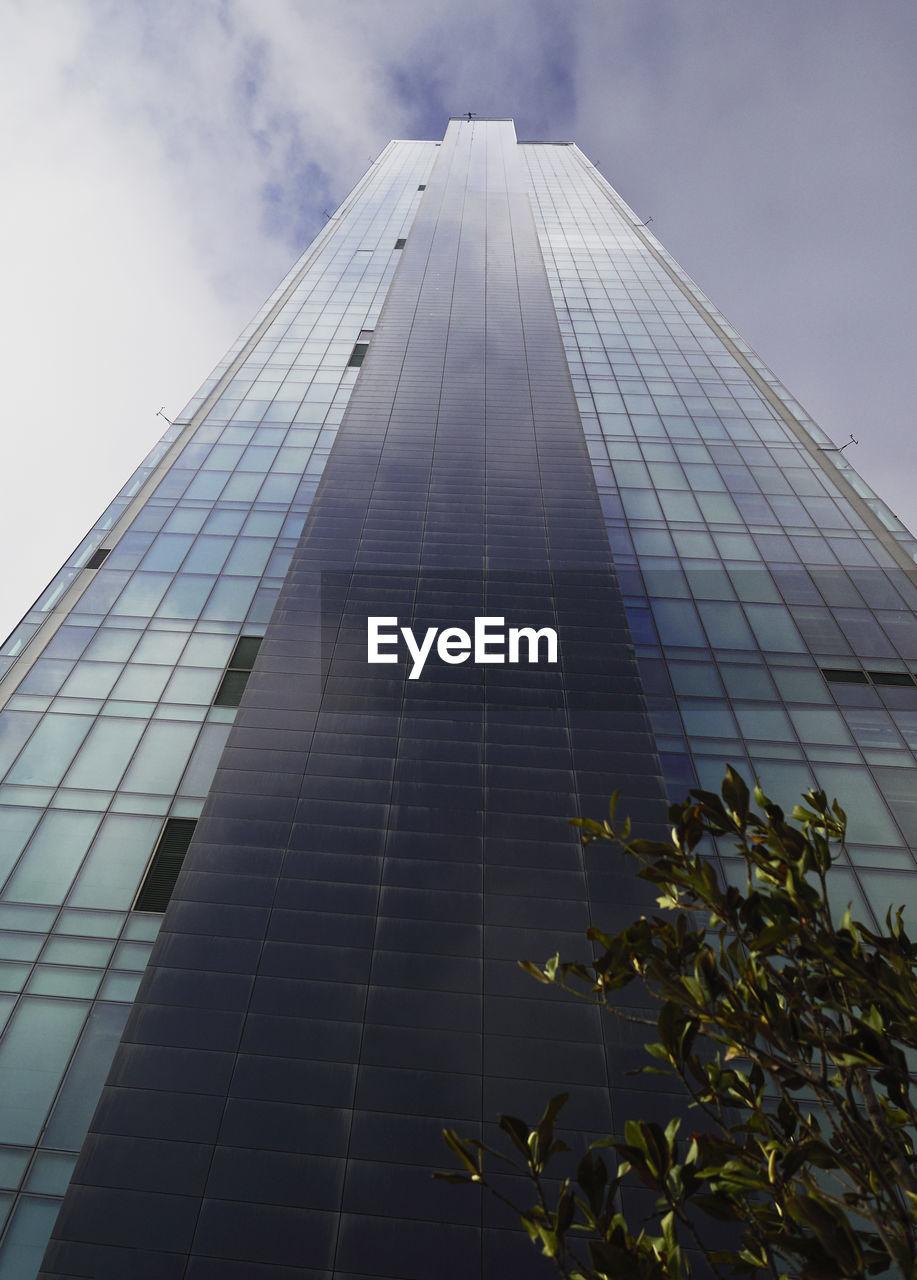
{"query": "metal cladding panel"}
(336, 978)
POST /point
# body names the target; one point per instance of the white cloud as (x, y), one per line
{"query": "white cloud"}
(167, 162)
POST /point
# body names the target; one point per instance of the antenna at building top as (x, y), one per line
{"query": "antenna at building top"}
(833, 448)
(159, 414)
(470, 115)
(646, 223)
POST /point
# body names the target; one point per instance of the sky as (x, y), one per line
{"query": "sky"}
(165, 162)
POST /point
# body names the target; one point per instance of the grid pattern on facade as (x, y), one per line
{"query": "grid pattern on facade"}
(747, 572)
(377, 852)
(110, 729)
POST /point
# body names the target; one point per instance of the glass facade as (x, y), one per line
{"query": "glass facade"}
(770, 593)
(111, 721)
(530, 419)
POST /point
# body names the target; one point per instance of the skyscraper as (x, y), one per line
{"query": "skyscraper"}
(536, 418)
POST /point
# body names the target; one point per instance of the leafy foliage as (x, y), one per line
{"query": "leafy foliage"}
(789, 1031)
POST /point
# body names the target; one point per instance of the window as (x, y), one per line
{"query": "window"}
(357, 355)
(235, 678)
(890, 677)
(422, 187)
(161, 874)
(847, 676)
(400, 242)
(97, 558)
(841, 676)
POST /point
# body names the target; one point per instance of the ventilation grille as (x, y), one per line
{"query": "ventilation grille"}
(166, 863)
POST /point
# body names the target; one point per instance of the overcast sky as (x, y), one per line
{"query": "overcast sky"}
(165, 161)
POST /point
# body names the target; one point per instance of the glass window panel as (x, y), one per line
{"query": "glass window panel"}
(868, 819)
(753, 584)
(70, 641)
(207, 484)
(282, 488)
(141, 683)
(33, 1055)
(718, 508)
(161, 758)
(678, 506)
(50, 1173)
(185, 520)
(186, 596)
(709, 581)
(774, 628)
(27, 1237)
(707, 719)
(223, 521)
(119, 986)
(46, 676)
(54, 853)
(19, 946)
(864, 634)
(209, 554)
(204, 760)
(872, 727)
(193, 685)
(889, 890)
(13, 974)
(653, 542)
(132, 955)
(264, 524)
(769, 723)
(49, 751)
(641, 504)
(725, 625)
(142, 928)
(899, 786)
(13, 1161)
(695, 677)
(820, 724)
(52, 980)
(207, 651)
(161, 647)
(801, 685)
(902, 630)
(90, 924)
(231, 599)
(907, 723)
(80, 1093)
(249, 556)
(7, 1003)
(86, 952)
(15, 727)
(746, 681)
(91, 680)
(16, 825)
(242, 487)
(142, 594)
(167, 552)
(291, 460)
(103, 591)
(677, 622)
(783, 781)
(116, 862)
(103, 756)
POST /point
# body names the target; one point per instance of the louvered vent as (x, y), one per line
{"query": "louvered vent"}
(166, 863)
